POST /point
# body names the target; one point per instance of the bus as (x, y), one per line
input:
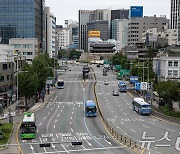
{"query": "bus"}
(90, 109)
(28, 126)
(60, 84)
(140, 106)
(122, 86)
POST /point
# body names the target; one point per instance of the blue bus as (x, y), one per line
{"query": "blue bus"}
(140, 106)
(60, 84)
(122, 86)
(90, 108)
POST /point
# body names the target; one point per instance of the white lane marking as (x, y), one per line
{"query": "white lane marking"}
(37, 130)
(88, 143)
(54, 126)
(72, 112)
(39, 124)
(145, 126)
(170, 130)
(51, 108)
(58, 115)
(116, 117)
(44, 118)
(43, 147)
(107, 141)
(128, 104)
(70, 122)
(125, 114)
(48, 112)
(133, 130)
(65, 148)
(57, 136)
(55, 121)
(73, 108)
(71, 118)
(72, 130)
(61, 110)
(122, 122)
(152, 123)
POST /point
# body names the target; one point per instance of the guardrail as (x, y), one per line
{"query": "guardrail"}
(166, 117)
(129, 143)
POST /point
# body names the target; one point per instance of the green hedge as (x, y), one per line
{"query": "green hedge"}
(7, 129)
(167, 111)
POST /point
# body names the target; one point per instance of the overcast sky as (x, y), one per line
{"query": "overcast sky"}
(68, 9)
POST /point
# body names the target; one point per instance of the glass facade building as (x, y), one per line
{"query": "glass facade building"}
(21, 19)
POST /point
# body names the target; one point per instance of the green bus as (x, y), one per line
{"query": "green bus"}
(28, 126)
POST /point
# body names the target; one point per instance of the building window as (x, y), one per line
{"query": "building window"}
(176, 63)
(27, 45)
(17, 45)
(1, 78)
(7, 77)
(169, 72)
(5, 66)
(169, 63)
(175, 73)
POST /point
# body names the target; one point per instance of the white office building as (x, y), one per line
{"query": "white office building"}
(64, 38)
(167, 68)
(50, 32)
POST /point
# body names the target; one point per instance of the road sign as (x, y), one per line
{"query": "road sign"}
(143, 85)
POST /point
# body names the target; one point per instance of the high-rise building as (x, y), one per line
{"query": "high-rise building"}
(50, 32)
(137, 26)
(100, 25)
(86, 16)
(64, 38)
(175, 17)
(21, 19)
(119, 14)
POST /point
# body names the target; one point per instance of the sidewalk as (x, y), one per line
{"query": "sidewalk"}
(13, 140)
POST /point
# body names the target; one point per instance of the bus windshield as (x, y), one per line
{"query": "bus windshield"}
(91, 109)
(60, 84)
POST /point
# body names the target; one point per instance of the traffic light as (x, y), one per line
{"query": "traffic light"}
(76, 143)
(45, 144)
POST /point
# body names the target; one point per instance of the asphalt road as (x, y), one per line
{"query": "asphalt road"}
(62, 121)
(120, 115)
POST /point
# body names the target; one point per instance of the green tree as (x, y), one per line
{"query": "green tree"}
(40, 65)
(119, 59)
(151, 53)
(169, 91)
(27, 83)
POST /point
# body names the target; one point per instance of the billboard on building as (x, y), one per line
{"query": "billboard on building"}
(94, 33)
(136, 11)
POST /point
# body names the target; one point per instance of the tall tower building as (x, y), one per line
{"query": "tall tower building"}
(86, 16)
(175, 16)
(50, 32)
(21, 19)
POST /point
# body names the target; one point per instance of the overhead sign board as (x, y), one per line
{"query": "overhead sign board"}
(133, 79)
